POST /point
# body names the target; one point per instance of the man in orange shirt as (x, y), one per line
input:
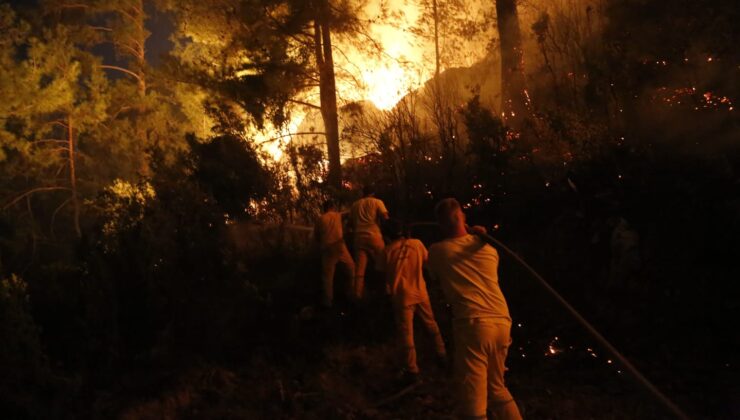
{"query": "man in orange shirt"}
(402, 262)
(467, 269)
(328, 233)
(365, 215)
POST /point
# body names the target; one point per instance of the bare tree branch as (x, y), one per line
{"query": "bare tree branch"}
(121, 69)
(299, 102)
(298, 133)
(32, 191)
(40, 141)
(54, 215)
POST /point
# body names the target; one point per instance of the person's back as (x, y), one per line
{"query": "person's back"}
(365, 214)
(329, 228)
(329, 235)
(468, 271)
(404, 259)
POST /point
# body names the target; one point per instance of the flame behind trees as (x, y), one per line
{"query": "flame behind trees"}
(275, 55)
(446, 25)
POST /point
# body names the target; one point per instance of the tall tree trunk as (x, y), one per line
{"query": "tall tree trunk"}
(73, 175)
(139, 46)
(328, 93)
(435, 14)
(515, 102)
(440, 106)
(437, 87)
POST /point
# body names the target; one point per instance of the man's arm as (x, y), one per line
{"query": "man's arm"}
(424, 253)
(476, 230)
(382, 211)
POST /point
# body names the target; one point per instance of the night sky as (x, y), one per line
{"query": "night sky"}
(158, 43)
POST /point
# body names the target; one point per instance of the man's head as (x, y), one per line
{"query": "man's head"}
(328, 205)
(450, 217)
(368, 190)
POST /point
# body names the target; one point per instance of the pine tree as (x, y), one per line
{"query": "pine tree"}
(148, 110)
(274, 53)
(59, 95)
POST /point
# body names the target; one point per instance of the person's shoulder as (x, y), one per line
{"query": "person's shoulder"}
(417, 243)
(476, 240)
(487, 248)
(356, 205)
(376, 201)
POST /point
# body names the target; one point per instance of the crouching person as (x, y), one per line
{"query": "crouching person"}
(467, 269)
(402, 261)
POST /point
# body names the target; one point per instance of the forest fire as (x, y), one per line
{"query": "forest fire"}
(387, 85)
(237, 208)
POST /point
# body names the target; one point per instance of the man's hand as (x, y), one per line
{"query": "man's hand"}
(477, 230)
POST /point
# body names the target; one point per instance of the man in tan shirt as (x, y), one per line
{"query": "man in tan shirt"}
(328, 233)
(468, 272)
(365, 215)
(402, 261)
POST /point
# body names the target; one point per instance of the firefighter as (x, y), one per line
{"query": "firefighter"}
(365, 216)
(467, 269)
(402, 261)
(329, 235)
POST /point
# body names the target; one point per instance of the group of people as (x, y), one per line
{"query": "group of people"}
(467, 270)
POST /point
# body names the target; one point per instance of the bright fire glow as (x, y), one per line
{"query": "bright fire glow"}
(386, 85)
(403, 63)
(388, 75)
(271, 140)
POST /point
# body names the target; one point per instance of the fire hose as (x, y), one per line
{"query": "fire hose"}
(649, 386)
(641, 379)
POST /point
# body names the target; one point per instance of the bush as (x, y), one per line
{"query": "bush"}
(22, 361)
